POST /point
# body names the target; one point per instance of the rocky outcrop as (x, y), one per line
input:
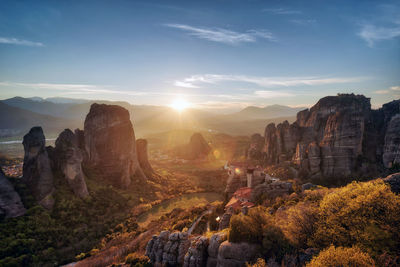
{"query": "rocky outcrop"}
(168, 249)
(141, 149)
(213, 248)
(255, 151)
(394, 181)
(339, 136)
(237, 254)
(110, 144)
(196, 255)
(37, 173)
(391, 149)
(271, 190)
(197, 148)
(10, 202)
(69, 159)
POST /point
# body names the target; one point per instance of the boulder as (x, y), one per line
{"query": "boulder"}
(10, 203)
(110, 144)
(237, 254)
(37, 173)
(394, 181)
(69, 160)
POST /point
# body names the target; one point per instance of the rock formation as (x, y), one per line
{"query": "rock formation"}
(69, 159)
(237, 254)
(271, 190)
(391, 149)
(177, 249)
(254, 153)
(394, 181)
(141, 149)
(37, 173)
(110, 144)
(197, 148)
(339, 136)
(168, 249)
(10, 202)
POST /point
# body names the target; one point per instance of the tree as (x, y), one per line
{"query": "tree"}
(342, 257)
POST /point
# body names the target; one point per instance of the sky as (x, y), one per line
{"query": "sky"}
(221, 55)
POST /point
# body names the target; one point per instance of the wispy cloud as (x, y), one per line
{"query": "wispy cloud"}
(282, 11)
(196, 80)
(15, 41)
(372, 34)
(393, 89)
(303, 22)
(76, 88)
(273, 94)
(223, 35)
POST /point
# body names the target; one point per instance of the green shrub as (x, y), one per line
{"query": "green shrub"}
(342, 257)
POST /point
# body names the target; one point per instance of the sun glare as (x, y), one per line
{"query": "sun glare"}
(180, 104)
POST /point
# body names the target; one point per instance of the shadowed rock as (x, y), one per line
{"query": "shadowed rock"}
(110, 144)
(10, 202)
(141, 149)
(37, 173)
(197, 148)
(69, 159)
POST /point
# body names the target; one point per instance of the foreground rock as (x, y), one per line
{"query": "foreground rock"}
(10, 202)
(69, 159)
(339, 136)
(37, 173)
(110, 144)
(394, 181)
(237, 254)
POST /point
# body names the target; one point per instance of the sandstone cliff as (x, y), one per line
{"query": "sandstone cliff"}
(69, 159)
(110, 144)
(338, 136)
(37, 173)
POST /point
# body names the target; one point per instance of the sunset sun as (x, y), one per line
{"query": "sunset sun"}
(180, 104)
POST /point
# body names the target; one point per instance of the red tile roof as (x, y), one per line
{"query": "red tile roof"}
(244, 192)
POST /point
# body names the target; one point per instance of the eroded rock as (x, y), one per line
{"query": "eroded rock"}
(37, 173)
(10, 202)
(110, 144)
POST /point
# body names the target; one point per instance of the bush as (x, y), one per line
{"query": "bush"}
(135, 259)
(260, 263)
(340, 256)
(248, 228)
(363, 214)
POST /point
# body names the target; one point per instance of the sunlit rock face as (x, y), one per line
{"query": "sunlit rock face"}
(110, 144)
(10, 202)
(69, 159)
(37, 173)
(339, 136)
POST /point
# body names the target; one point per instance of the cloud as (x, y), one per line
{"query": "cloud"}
(303, 22)
(76, 88)
(372, 34)
(184, 84)
(223, 35)
(272, 94)
(282, 11)
(393, 89)
(195, 80)
(15, 41)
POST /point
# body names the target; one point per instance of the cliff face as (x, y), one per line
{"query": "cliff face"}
(10, 202)
(339, 136)
(110, 144)
(37, 173)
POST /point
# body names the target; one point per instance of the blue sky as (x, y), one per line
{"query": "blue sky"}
(221, 55)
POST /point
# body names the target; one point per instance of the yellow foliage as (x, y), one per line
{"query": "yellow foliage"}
(342, 257)
(366, 214)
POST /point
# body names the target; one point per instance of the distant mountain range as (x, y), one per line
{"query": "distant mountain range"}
(18, 114)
